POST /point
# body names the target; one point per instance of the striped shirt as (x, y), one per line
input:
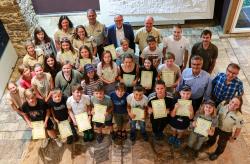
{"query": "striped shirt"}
(89, 88)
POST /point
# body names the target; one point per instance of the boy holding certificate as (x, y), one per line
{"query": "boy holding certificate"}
(59, 111)
(36, 112)
(159, 106)
(181, 116)
(199, 135)
(119, 99)
(169, 72)
(102, 108)
(137, 110)
(77, 105)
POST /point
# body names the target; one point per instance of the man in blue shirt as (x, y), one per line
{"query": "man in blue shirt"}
(199, 81)
(227, 85)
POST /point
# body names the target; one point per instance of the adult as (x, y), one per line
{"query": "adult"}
(199, 81)
(148, 29)
(119, 31)
(178, 45)
(81, 38)
(65, 29)
(207, 50)
(229, 118)
(227, 85)
(97, 30)
(66, 78)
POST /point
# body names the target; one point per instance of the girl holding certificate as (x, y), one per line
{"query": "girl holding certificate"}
(181, 116)
(37, 112)
(207, 114)
(129, 72)
(229, 118)
(159, 105)
(107, 71)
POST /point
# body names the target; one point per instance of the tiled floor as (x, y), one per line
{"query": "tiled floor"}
(15, 144)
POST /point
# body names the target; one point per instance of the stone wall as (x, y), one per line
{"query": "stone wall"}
(19, 19)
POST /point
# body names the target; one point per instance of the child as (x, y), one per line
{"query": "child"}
(42, 83)
(158, 124)
(107, 71)
(170, 66)
(119, 99)
(26, 76)
(100, 98)
(137, 100)
(195, 141)
(77, 104)
(15, 97)
(90, 80)
(67, 52)
(85, 57)
(123, 50)
(180, 123)
(37, 110)
(44, 42)
(148, 67)
(152, 52)
(51, 65)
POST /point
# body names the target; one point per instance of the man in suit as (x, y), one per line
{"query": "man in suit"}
(120, 31)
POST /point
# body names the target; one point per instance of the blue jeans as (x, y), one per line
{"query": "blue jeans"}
(142, 126)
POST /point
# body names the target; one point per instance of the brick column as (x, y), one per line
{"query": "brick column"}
(19, 19)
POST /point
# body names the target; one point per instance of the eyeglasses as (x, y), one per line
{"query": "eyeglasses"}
(233, 72)
(64, 39)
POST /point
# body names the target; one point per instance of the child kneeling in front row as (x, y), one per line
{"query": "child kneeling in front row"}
(137, 100)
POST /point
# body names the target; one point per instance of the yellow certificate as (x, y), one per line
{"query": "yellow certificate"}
(202, 126)
(139, 113)
(128, 79)
(100, 111)
(111, 48)
(83, 62)
(82, 121)
(168, 77)
(159, 108)
(183, 110)
(108, 74)
(146, 79)
(38, 130)
(64, 129)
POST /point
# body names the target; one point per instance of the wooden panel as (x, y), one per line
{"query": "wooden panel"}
(230, 16)
(64, 6)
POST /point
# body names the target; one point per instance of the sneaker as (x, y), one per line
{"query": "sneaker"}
(58, 142)
(99, 138)
(113, 135)
(85, 136)
(132, 136)
(45, 143)
(171, 139)
(70, 139)
(177, 143)
(91, 136)
(213, 156)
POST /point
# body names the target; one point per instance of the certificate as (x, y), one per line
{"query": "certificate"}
(139, 113)
(202, 126)
(111, 48)
(82, 121)
(168, 77)
(159, 108)
(183, 109)
(100, 111)
(38, 130)
(83, 62)
(128, 79)
(108, 74)
(146, 79)
(64, 129)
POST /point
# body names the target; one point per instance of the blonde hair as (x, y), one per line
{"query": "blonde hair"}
(29, 93)
(201, 110)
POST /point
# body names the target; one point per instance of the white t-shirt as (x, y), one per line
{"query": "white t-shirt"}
(137, 104)
(178, 48)
(78, 107)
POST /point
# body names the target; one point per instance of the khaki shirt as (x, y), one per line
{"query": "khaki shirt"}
(97, 31)
(228, 119)
(141, 37)
(89, 42)
(31, 61)
(60, 34)
(69, 56)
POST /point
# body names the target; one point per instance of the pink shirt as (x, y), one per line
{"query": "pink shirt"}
(24, 83)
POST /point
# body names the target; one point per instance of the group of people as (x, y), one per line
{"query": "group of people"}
(73, 74)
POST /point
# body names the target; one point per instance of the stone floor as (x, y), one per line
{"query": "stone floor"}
(16, 146)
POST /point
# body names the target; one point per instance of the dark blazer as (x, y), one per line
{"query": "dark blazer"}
(128, 32)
